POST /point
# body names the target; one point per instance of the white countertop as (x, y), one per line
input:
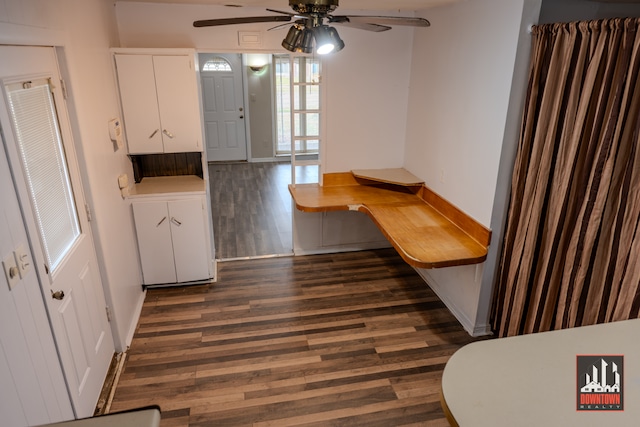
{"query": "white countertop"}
(531, 380)
(167, 185)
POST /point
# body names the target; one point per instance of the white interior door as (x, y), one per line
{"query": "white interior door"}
(45, 172)
(223, 106)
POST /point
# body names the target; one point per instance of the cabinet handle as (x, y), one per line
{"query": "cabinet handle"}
(166, 132)
(161, 221)
(176, 222)
(154, 133)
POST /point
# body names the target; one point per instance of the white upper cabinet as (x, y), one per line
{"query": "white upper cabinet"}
(160, 104)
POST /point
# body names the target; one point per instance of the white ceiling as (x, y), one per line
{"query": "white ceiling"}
(344, 4)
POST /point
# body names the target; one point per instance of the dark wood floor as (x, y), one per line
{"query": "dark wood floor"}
(352, 339)
(251, 207)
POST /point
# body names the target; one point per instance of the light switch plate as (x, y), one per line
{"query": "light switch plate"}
(11, 270)
(23, 260)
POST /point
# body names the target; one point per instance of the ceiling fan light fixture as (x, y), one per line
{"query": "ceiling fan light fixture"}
(306, 45)
(291, 38)
(298, 40)
(338, 44)
(327, 40)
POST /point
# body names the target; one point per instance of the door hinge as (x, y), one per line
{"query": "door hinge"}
(108, 310)
(63, 85)
(88, 210)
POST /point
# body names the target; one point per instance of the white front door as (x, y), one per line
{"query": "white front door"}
(223, 106)
(43, 163)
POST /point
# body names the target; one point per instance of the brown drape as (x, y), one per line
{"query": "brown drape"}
(571, 253)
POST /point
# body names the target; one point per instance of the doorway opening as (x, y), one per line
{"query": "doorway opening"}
(251, 205)
(252, 208)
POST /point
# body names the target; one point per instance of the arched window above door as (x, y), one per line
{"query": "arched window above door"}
(217, 64)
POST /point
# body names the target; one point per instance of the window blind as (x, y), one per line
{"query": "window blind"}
(39, 140)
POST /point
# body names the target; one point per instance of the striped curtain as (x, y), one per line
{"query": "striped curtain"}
(571, 253)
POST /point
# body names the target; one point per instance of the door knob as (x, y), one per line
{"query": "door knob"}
(59, 295)
(242, 117)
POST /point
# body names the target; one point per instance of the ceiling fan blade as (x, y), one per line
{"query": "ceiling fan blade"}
(245, 20)
(345, 21)
(279, 27)
(384, 20)
(293, 15)
(280, 11)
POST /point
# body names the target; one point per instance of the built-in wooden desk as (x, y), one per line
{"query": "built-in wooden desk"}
(531, 380)
(426, 230)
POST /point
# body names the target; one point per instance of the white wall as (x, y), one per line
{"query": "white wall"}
(366, 105)
(462, 85)
(87, 28)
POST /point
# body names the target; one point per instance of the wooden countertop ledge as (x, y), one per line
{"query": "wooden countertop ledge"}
(426, 230)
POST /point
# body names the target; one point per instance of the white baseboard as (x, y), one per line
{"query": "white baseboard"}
(137, 313)
(214, 269)
(264, 160)
(342, 248)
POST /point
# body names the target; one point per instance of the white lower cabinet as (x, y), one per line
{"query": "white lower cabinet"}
(172, 238)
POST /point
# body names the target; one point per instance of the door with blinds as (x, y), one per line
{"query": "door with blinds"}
(43, 163)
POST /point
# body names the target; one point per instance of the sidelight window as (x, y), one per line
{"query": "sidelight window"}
(297, 83)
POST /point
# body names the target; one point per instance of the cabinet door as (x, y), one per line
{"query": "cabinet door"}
(188, 232)
(139, 103)
(154, 241)
(178, 103)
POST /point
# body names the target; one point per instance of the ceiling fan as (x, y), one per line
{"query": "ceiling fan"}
(310, 27)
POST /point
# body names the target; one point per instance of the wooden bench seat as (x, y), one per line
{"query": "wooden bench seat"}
(426, 230)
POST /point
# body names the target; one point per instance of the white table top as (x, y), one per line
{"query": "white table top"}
(531, 380)
(137, 418)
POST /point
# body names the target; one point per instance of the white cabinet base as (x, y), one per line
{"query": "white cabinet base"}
(172, 238)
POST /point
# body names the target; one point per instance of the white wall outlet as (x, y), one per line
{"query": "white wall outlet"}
(23, 260)
(11, 270)
(123, 184)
